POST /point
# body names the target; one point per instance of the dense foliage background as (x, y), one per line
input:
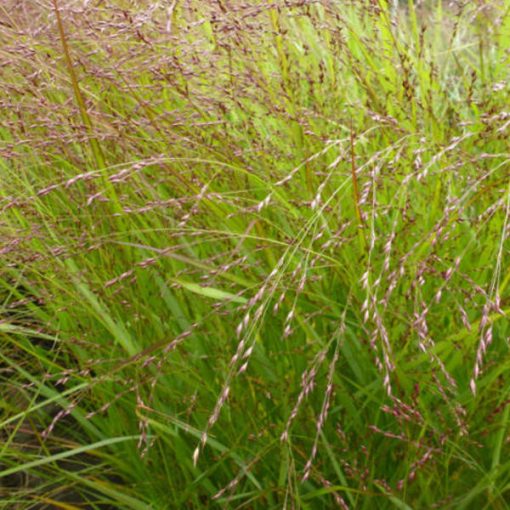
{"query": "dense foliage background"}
(254, 254)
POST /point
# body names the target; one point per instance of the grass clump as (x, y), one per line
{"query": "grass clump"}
(254, 255)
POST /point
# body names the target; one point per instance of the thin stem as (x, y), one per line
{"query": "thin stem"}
(355, 187)
(94, 144)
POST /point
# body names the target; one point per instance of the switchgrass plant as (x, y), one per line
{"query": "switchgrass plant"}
(254, 255)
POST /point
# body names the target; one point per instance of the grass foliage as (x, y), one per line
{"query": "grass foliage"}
(254, 254)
